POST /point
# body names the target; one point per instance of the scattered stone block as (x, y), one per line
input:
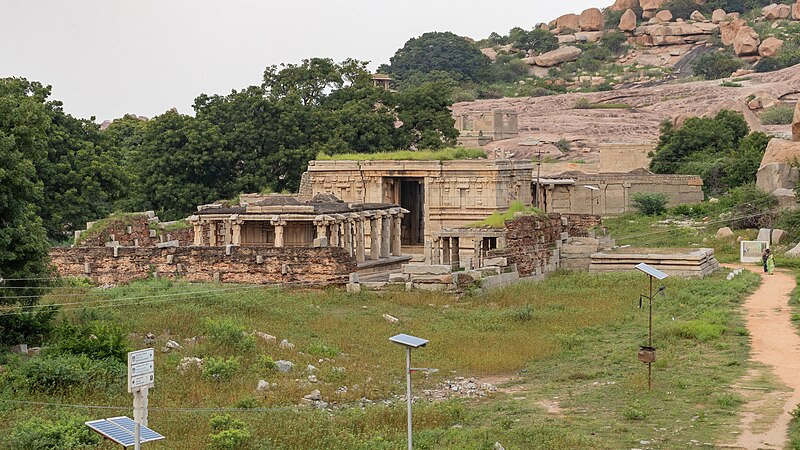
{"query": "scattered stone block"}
(763, 235)
(284, 366)
(268, 338)
(321, 242)
(391, 319)
(286, 345)
(795, 252)
(20, 349)
(259, 259)
(419, 269)
(777, 236)
(398, 278)
(262, 386)
(499, 261)
(724, 233)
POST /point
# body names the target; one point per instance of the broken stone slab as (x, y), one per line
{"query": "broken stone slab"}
(20, 349)
(420, 269)
(427, 279)
(398, 278)
(763, 235)
(188, 362)
(499, 261)
(314, 396)
(265, 337)
(263, 385)
(353, 288)
(391, 319)
(286, 345)
(795, 252)
(167, 244)
(777, 236)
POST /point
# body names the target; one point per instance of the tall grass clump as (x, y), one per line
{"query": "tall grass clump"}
(227, 332)
(777, 115)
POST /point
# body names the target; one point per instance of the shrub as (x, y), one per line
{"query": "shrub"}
(537, 39)
(265, 363)
(716, 65)
(583, 103)
(524, 314)
(65, 433)
(681, 8)
(228, 332)
(58, 374)
(323, 350)
(612, 18)
(220, 369)
(564, 145)
(32, 327)
(699, 330)
(749, 207)
(777, 115)
(229, 433)
(97, 340)
(631, 413)
(615, 41)
(650, 203)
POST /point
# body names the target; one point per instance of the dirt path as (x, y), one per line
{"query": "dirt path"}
(775, 344)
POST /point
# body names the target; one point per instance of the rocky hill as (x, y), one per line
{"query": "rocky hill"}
(650, 80)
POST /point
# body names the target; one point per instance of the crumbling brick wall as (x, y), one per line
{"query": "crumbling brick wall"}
(134, 231)
(317, 266)
(529, 240)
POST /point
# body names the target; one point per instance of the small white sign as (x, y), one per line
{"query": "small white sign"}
(141, 368)
(146, 380)
(140, 356)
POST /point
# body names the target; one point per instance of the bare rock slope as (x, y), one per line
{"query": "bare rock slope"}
(552, 118)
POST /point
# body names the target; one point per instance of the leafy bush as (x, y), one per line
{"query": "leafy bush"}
(444, 52)
(265, 363)
(716, 65)
(681, 8)
(563, 144)
(697, 211)
(777, 115)
(228, 332)
(615, 41)
(32, 327)
(96, 340)
(323, 350)
(612, 18)
(583, 103)
(749, 207)
(58, 374)
(632, 413)
(788, 57)
(220, 369)
(229, 433)
(650, 203)
(63, 433)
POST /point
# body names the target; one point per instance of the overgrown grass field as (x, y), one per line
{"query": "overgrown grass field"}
(570, 340)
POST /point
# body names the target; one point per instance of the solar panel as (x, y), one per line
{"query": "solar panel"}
(408, 341)
(652, 271)
(146, 434)
(121, 430)
(112, 431)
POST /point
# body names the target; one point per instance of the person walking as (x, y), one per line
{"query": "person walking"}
(770, 263)
(764, 256)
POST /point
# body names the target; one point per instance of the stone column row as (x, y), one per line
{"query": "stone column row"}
(445, 250)
(349, 231)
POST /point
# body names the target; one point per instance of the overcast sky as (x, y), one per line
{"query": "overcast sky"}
(108, 58)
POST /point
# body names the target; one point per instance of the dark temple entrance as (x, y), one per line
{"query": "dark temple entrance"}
(409, 193)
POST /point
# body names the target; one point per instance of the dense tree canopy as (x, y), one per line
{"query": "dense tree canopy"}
(719, 149)
(435, 51)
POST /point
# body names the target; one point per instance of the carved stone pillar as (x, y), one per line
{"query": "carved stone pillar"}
(476, 258)
(397, 241)
(278, 224)
(212, 234)
(347, 242)
(335, 230)
(236, 233)
(360, 244)
(227, 233)
(435, 252)
(386, 234)
(455, 244)
(374, 238)
(445, 250)
(198, 233)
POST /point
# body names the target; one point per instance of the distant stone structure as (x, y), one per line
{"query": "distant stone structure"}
(478, 128)
(382, 81)
(624, 157)
(437, 194)
(610, 194)
(679, 262)
(271, 239)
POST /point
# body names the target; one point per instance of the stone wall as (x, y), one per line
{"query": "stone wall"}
(617, 157)
(132, 231)
(317, 266)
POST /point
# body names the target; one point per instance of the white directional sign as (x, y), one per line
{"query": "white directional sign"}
(141, 368)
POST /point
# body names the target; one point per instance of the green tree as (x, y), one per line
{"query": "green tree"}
(427, 121)
(715, 65)
(650, 203)
(537, 39)
(445, 52)
(23, 243)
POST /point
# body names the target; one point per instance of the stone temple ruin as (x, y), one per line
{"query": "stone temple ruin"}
(479, 128)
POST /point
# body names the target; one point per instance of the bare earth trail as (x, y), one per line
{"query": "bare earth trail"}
(775, 344)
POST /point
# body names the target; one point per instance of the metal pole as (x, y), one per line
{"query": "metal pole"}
(137, 440)
(138, 409)
(408, 393)
(538, 178)
(650, 338)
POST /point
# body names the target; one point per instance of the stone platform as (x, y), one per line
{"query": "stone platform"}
(679, 262)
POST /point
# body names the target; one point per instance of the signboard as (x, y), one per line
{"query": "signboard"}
(141, 369)
(751, 251)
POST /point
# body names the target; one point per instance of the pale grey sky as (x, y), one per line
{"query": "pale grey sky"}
(107, 58)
